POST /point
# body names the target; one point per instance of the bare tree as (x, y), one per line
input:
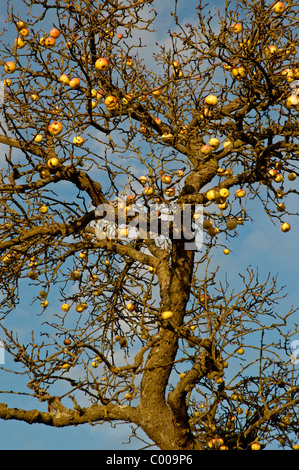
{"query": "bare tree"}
(94, 135)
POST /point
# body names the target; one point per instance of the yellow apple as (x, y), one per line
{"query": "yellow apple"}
(10, 67)
(211, 100)
(213, 231)
(166, 314)
(24, 32)
(44, 303)
(75, 275)
(102, 64)
(21, 24)
(156, 91)
(285, 227)
(32, 274)
(169, 192)
(74, 83)
(167, 137)
(240, 351)
(292, 176)
(54, 33)
(49, 42)
(226, 251)
(240, 192)
(214, 143)
(278, 178)
(256, 446)
(237, 28)
(224, 192)
(65, 307)
(281, 207)
(111, 102)
(55, 128)
(231, 224)
(38, 138)
(53, 162)
(80, 308)
(66, 366)
(142, 179)
(223, 205)
(78, 140)
(207, 224)
(64, 79)
(148, 190)
(166, 179)
(20, 43)
(278, 7)
(130, 306)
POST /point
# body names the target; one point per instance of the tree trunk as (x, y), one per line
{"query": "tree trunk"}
(168, 429)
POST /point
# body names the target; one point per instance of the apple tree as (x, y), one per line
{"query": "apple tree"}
(124, 167)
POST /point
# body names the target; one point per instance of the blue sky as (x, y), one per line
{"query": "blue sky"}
(259, 244)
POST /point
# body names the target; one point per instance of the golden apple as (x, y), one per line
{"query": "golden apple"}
(55, 128)
(53, 162)
(166, 179)
(102, 64)
(43, 209)
(111, 102)
(78, 140)
(206, 149)
(10, 67)
(278, 7)
(285, 227)
(207, 223)
(211, 100)
(292, 176)
(49, 42)
(240, 192)
(211, 195)
(65, 307)
(224, 192)
(54, 33)
(169, 192)
(148, 190)
(142, 179)
(74, 83)
(64, 79)
(38, 138)
(130, 306)
(214, 143)
(255, 446)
